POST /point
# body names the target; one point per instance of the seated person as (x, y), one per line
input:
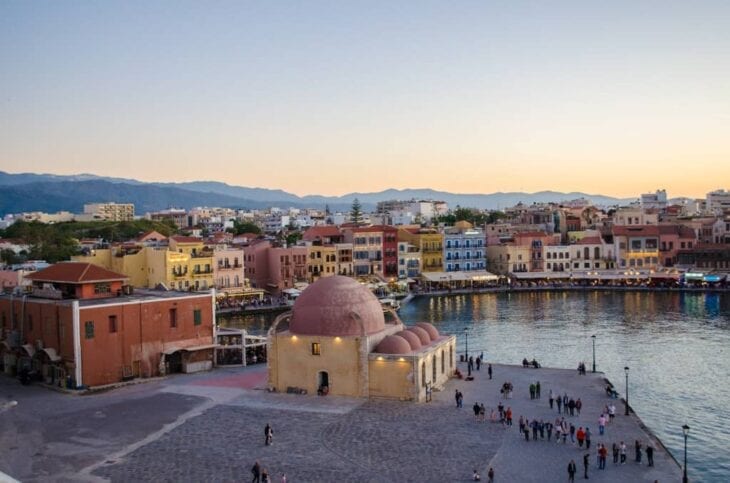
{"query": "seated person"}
(535, 364)
(525, 363)
(476, 476)
(458, 374)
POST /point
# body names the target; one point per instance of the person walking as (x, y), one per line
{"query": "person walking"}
(508, 416)
(532, 391)
(549, 429)
(571, 406)
(615, 453)
(572, 433)
(578, 405)
(602, 455)
(479, 362)
(581, 436)
(586, 459)
(265, 476)
(537, 390)
(476, 411)
(559, 402)
(268, 434)
(601, 424)
(637, 447)
(456, 397)
(490, 475)
(622, 451)
(649, 454)
(489, 370)
(256, 472)
(571, 471)
(588, 438)
(551, 398)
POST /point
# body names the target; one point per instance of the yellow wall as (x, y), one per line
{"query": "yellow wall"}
(390, 378)
(295, 365)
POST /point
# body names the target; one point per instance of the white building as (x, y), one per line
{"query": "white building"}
(409, 260)
(718, 202)
(110, 211)
(464, 248)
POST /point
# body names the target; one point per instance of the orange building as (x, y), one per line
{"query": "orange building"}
(82, 326)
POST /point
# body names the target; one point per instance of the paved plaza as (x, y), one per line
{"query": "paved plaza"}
(209, 427)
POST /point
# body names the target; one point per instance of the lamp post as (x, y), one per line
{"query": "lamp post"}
(626, 370)
(466, 335)
(594, 352)
(685, 430)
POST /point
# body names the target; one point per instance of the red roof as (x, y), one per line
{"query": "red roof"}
(636, 230)
(590, 240)
(321, 231)
(75, 272)
(186, 239)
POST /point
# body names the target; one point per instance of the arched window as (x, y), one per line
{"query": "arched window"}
(433, 369)
(451, 356)
(423, 374)
(443, 361)
(587, 253)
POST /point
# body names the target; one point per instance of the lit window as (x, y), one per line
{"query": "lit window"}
(316, 349)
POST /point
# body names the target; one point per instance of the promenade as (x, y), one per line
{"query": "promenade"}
(209, 427)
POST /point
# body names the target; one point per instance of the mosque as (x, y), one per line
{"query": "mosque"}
(338, 340)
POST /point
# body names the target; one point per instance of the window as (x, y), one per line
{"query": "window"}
(316, 349)
(102, 288)
(433, 369)
(451, 357)
(173, 318)
(112, 324)
(423, 374)
(197, 317)
(89, 329)
(443, 361)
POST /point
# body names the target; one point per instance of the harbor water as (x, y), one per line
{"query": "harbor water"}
(676, 346)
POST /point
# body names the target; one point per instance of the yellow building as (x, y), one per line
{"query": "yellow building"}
(507, 258)
(185, 265)
(321, 261)
(336, 341)
(431, 245)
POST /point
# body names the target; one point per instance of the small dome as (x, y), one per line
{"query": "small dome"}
(422, 335)
(393, 344)
(433, 333)
(412, 339)
(336, 306)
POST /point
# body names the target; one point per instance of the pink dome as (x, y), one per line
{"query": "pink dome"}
(412, 339)
(336, 306)
(433, 333)
(393, 344)
(422, 335)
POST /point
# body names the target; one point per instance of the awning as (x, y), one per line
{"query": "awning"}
(51, 353)
(29, 349)
(714, 278)
(540, 275)
(176, 348)
(444, 277)
(292, 291)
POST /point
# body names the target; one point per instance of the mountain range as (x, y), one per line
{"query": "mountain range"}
(24, 192)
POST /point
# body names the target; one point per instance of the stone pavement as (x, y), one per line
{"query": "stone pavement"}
(204, 428)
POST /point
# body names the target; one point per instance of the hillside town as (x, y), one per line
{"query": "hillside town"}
(59, 319)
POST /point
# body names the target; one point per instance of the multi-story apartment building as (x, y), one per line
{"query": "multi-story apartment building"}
(367, 250)
(464, 248)
(80, 321)
(718, 202)
(592, 253)
(508, 258)
(635, 216)
(186, 264)
(176, 215)
(345, 265)
(228, 270)
(409, 260)
(636, 247)
(721, 231)
(706, 258)
(321, 261)
(536, 240)
(557, 258)
(672, 239)
(286, 267)
(111, 211)
(430, 243)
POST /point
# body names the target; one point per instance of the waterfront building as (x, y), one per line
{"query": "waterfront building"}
(82, 321)
(636, 247)
(592, 253)
(497, 233)
(536, 240)
(672, 239)
(508, 258)
(345, 265)
(706, 258)
(255, 267)
(557, 258)
(374, 250)
(286, 266)
(321, 261)
(110, 211)
(228, 271)
(429, 242)
(337, 340)
(409, 260)
(464, 248)
(721, 231)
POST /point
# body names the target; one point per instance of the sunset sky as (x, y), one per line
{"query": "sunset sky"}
(617, 98)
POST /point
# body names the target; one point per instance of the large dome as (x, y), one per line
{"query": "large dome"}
(336, 306)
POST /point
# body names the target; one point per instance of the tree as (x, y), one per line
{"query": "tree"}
(356, 212)
(10, 257)
(240, 227)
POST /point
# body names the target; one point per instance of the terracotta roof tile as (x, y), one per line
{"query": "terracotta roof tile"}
(75, 272)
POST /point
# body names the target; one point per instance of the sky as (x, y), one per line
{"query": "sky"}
(617, 98)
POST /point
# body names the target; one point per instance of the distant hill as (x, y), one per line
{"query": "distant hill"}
(51, 193)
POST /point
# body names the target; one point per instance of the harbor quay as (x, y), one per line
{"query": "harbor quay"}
(210, 427)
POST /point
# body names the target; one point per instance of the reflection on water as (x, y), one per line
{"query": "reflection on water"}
(676, 345)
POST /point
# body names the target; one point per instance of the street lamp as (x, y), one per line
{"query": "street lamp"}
(626, 369)
(594, 352)
(685, 430)
(466, 335)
